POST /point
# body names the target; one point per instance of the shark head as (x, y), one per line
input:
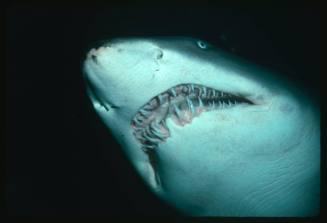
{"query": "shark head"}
(205, 129)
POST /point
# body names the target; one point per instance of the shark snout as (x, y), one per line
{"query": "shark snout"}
(95, 53)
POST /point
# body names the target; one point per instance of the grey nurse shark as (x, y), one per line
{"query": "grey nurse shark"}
(210, 134)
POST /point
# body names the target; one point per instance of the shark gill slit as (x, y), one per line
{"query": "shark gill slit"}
(182, 103)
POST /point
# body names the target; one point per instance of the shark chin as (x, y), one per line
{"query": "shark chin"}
(210, 133)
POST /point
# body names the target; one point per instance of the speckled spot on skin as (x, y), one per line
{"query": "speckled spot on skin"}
(286, 108)
(259, 98)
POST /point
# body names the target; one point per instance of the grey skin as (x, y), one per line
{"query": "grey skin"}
(247, 159)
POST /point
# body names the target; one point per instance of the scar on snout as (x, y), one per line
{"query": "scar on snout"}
(286, 108)
(158, 54)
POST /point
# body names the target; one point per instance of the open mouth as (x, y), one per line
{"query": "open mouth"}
(182, 103)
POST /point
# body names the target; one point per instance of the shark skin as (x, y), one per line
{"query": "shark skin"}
(256, 157)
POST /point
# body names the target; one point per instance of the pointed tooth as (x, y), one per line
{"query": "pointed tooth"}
(151, 147)
(133, 123)
(200, 102)
(147, 131)
(229, 103)
(144, 113)
(210, 94)
(213, 104)
(197, 91)
(149, 136)
(139, 118)
(185, 89)
(154, 142)
(157, 134)
(152, 127)
(153, 103)
(137, 121)
(164, 125)
(147, 148)
(173, 92)
(177, 111)
(155, 131)
(160, 98)
(148, 107)
(192, 88)
(204, 91)
(190, 105)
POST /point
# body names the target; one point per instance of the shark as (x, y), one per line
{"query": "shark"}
(210, 133)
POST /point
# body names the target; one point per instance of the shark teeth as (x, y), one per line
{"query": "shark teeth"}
(177, 112)
(182, 102)
(190, 105)
(200, 101)
(173, 92)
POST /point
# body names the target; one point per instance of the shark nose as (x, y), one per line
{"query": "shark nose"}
(94, 53)
(95, 48)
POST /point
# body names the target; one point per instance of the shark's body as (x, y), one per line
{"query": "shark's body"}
(209, 133)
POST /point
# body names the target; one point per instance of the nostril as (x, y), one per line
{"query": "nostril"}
(92, 54)
(158, 54)
(94, 57)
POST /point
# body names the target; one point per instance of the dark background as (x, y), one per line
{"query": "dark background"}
(60, 159)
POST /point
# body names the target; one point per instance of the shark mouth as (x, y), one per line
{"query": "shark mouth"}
(182, 103)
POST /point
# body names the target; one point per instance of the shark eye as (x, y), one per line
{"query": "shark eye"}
(202, 44)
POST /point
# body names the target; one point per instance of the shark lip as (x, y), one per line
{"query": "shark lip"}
(182, 103)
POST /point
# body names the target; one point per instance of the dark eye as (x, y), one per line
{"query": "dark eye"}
(202, 44)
